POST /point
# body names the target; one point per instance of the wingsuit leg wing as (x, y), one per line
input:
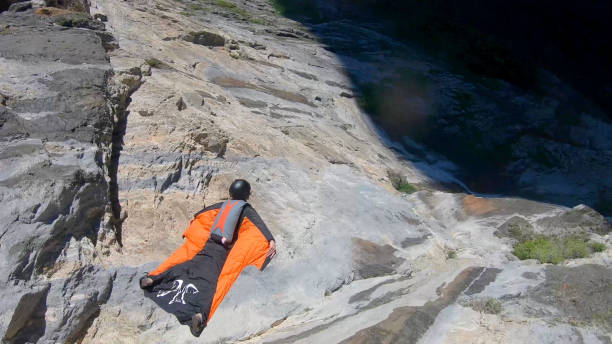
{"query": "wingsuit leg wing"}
(188, 288)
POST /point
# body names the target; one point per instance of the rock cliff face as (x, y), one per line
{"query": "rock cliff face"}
(56, 128)
(119, 121)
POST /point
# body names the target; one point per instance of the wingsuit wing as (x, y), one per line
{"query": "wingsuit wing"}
(198, 252)
(250, 248)
(195, 236)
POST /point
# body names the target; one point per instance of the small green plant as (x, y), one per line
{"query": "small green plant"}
(406, 187)
(195, 7)
(400, 184)
(603, 319)
(597, 246)
(259, 21)
(489, 306)
(492, 306)
(186, 14)
(451, 254)
(224, 4)
(153, 62)
(230, 7)
(302, 8)
(279, 6)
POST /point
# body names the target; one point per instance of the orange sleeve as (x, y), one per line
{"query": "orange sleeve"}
(196, 236)
(251, 248)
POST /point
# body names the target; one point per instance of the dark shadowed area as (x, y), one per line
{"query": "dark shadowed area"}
(517, 95)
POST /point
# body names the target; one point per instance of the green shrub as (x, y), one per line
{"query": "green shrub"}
(542, 249)
(492, 306)
(575, 247)
(597, 246)
(452, 254)
(555, 250)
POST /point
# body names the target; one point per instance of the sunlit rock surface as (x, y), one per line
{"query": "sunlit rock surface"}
(111, 140)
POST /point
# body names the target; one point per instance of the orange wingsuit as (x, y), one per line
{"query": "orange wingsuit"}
(250, 248)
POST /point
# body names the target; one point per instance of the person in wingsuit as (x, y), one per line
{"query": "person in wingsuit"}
(220, 242)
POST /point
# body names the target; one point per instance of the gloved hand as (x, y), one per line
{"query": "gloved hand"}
(272, 250)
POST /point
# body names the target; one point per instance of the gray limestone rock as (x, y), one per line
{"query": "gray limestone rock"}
(108, 41)
(56, 128)
(582, 293)
(517, 228)
(372, 260)
(578, 220)
(28, 321)
(486, 277)
(145, 69)
(50, 44)
(408, 324)
(73, 303)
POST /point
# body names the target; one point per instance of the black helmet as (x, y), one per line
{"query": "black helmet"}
(240, 189)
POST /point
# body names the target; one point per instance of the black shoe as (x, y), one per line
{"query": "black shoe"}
(197, 325)
(146, 282)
